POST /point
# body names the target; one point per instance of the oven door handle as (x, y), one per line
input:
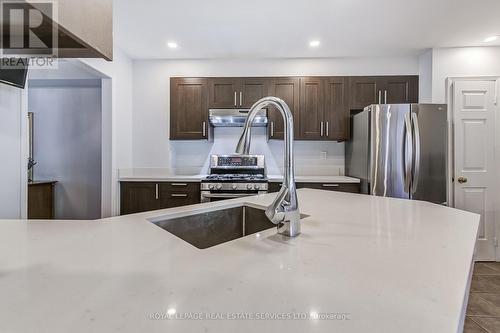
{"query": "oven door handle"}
(227, 196)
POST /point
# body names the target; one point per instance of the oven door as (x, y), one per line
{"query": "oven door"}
(207, 196)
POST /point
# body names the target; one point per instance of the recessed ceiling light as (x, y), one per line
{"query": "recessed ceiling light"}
(490, 39)
(172, 45)
(314, 43)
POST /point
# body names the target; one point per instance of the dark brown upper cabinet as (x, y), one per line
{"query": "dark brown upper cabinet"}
(336, 112)
(367, 90)
(400, 89)
(311, 114)
(188, 108)
(236, 92)
(286, 88)
(223, 93)
(323, 108)
(320, 105)
(251, 90)
(364, 91)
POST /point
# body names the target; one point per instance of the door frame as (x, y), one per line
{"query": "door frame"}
(109, 174)
(451, 166)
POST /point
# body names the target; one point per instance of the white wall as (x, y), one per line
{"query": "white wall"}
(117, 123)
(11, 152)
(67, 143)
(425, 79)
(150, 127)
(468, 61)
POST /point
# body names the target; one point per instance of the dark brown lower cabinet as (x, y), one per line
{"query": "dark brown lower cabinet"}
(136, 197)
(41, 200)
(341, 187)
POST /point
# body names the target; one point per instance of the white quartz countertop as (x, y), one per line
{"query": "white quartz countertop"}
(316, 179)
(373, 264)
(272, 178)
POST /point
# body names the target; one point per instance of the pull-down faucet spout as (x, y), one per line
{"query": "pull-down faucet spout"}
(284, 211)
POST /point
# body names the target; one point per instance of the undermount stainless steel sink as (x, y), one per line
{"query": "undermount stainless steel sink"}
(219, 226)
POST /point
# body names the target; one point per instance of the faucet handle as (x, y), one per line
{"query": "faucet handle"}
(275, 212)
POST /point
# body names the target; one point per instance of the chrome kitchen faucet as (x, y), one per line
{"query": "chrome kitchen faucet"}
(284, 211)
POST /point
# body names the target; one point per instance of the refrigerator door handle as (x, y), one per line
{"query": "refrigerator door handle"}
(416, 162)
(408, 153)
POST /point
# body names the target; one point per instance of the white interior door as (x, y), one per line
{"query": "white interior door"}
(474, 136)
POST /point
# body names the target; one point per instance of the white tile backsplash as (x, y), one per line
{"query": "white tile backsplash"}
(193, 156)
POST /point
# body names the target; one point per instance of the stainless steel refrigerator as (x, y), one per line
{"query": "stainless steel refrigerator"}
(400, 151)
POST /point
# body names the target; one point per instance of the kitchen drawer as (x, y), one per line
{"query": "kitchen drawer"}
(176, 194)
(274, 187)
(341, 187)
(146, 196)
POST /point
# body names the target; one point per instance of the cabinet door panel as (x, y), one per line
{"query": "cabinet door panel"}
(288, 90)
(252, 89)
(311, 108)
(401, 89)
(364, 91)
(136, 197)
(336, 109)
(223, 93)
(188, 109)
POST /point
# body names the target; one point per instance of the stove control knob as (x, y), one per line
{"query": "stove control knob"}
(234, 186)
(219, 186)
(257, 186)
(250, 186)
(211, 186)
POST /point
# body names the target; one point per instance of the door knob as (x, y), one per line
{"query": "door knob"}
(462, 180)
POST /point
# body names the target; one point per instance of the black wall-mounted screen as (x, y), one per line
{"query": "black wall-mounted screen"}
(14, 76)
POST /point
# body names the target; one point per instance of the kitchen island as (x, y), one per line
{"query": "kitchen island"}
(361, 264)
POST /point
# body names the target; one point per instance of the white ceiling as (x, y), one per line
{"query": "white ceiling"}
(283, 28)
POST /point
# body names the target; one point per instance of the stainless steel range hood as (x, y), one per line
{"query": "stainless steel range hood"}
(235, 118)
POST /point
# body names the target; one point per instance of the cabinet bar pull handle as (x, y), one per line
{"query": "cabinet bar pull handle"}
(321, 129)
(331, 185)
(272, 128)
(385, 96)
(179, 184)
(380, 97)
(179, 195)
(241, 98)
(235, 102)
(204, 127)
(327, 129)
(157, 194)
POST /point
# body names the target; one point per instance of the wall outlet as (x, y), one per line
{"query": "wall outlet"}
(323, 155)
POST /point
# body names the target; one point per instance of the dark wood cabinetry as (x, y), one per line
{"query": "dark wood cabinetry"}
(364, 91)
(251, 90)
(179, 194)
(286, 88)
(311, 114)
(223, 93)
(336, 109)
(400, 89)
(136, 197)
(188, 108)
(382, 90)
(323, 109)
(320, 105)
(41, 200)
(236, 92)
(341, 187)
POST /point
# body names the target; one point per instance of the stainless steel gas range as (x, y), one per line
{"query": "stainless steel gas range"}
(234, 176)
